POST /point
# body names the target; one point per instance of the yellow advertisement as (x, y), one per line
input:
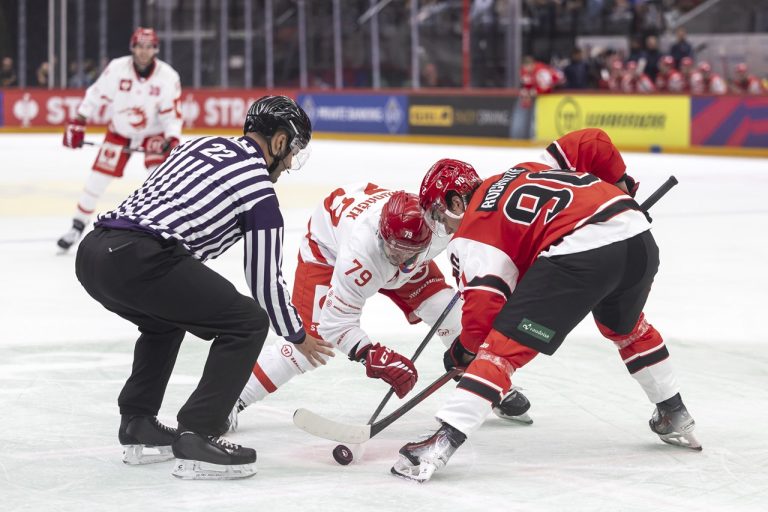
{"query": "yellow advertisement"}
(630, 120)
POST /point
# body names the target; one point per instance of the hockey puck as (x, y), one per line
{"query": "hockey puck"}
(342, 454)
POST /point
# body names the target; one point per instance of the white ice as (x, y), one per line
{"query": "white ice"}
(63, 360)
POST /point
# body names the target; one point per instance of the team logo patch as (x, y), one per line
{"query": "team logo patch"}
(125, 85)
(535, 330)
(287, 350)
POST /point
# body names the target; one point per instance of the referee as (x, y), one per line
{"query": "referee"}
(144, 262)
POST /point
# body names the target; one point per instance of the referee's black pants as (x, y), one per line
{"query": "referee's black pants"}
(160, 287)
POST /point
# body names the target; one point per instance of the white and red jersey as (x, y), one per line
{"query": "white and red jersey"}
(141, 107)
(521, 215)
(749, 85)
(542, 78)
(671, 81)
(632, 83)
(343, 234)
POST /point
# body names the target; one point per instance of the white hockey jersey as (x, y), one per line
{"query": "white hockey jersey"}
(140, 107)
(343, 234)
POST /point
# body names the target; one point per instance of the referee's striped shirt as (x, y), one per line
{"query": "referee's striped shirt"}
(208, 194)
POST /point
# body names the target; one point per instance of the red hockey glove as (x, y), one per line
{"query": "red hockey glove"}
(74, 133)
(394, 369)
(630, 183)
(457, 357)
(169, 144)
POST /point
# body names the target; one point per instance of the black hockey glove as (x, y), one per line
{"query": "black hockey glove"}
(630, 183)
(457, 357)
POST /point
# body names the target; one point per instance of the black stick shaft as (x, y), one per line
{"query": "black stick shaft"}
(413, 402)
(659, 193)
(419, 350)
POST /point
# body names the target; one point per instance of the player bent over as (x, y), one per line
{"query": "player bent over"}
(536, 250)
(143, 93)
(361, 240)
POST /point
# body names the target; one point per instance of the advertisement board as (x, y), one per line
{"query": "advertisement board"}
(356, 113)
(200, 108)
(631, 121)
(729, 121)
(469, 116)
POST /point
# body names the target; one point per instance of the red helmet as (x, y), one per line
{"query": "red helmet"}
(403, 231)
(686, 61)
(741, 67)
(704, 67)
(446, 177)
(668, 60)
(144, 36)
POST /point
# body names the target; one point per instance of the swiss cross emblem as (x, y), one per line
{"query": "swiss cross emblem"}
(154, 90)
(125, 85)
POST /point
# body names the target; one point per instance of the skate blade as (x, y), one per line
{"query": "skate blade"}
(524, 418)
(687, 440)
(419, 474)
(138, 454)
(199, 470)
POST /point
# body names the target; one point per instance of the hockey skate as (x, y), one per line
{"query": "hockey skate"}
(418, 461)
(514, 407)
(145, 440)
(200, 457)
(673, 424)
(69, 238)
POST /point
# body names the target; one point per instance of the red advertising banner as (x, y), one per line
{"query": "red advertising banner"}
(201, 108)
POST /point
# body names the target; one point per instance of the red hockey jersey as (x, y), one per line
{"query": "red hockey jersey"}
(527, 213)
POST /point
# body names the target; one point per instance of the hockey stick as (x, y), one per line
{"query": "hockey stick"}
(126, 149)
(419, 350)
(659, 193)
(319, 426)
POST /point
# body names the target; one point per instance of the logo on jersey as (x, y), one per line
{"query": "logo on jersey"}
(535, 330)
(286, 350)
(490, 202)
(125, 85)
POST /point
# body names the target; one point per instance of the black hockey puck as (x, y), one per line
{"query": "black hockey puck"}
(342, 454)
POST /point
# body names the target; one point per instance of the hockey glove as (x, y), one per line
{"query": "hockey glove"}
(169, 144)
(457, 357)
(74, 133)
(386, 364)
(630, 183)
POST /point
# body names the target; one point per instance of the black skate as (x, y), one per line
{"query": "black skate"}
(201, 457)
(673, 424)
(418, 461)
(514, 407)
(69, 238)
(145, 440)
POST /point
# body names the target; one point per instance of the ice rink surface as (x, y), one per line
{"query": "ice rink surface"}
(63, 360)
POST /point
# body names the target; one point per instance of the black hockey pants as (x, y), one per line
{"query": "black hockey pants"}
(160, 287)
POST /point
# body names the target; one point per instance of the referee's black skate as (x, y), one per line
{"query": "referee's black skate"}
(201, 457)
(514, 407)
(673, 424)
(69, 238)
(418, 461)
(145, 440)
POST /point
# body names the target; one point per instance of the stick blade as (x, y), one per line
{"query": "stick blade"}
(319, 426)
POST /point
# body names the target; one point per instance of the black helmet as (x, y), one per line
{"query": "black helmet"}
(269, 113)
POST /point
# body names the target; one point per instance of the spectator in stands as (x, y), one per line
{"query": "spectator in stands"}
(745, 83)
(688, 72)
(682, 48)
(430, 77)
(652, 56)
(577, 71)
(614, 75)
(41, 75)
(7, 73)
(648, 19)
(537, 77)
